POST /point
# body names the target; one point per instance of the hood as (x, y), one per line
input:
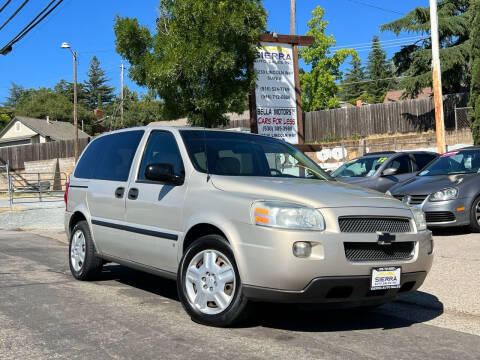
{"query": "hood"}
(314, 193)
(425, 185)
(355, 180)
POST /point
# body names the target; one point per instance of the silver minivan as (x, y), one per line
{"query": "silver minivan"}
(237, 218)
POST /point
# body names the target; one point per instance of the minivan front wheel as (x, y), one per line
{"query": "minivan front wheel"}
(209, 285)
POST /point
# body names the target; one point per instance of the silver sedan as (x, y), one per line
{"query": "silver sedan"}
(447, 190)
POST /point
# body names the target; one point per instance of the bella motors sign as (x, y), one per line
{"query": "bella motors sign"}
(276, 108)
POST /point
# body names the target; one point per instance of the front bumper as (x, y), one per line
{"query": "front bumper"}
(446, 213)
(265, 258)
(338, 289)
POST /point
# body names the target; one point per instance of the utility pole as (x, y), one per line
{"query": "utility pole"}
(122, 67)
(437, 78)
(75, 106)
(66, 45)
(292, 17)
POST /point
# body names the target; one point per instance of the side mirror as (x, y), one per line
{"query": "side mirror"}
(389, 172)
(163, 173)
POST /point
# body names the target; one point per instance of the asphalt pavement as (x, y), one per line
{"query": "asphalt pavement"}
(126, 314)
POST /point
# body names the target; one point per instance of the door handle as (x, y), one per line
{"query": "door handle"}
(133, 194)
(119, 192)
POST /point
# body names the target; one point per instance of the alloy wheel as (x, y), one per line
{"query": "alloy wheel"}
(210, 282)
(77, 250)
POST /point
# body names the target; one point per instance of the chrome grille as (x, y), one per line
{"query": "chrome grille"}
(356, 224)
(417, 199)
(357, 252)
(412, 199)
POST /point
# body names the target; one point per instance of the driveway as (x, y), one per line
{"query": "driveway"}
(46, 314)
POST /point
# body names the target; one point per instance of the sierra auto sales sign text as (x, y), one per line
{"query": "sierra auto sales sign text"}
(275, 92)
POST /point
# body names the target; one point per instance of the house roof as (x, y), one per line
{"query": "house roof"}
(399, 95)
(56, 130)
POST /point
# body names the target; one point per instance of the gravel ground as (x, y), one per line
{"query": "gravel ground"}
(32, 214)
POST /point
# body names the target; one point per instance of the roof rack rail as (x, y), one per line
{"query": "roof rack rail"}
(381, 152)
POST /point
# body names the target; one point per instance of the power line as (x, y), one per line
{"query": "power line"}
(376, 7)
(5, 5)
(37, 20)
(411, 38)
(14, 14)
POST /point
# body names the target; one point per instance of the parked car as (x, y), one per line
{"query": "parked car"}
(236, 217)
(381, 170)
(447, 190)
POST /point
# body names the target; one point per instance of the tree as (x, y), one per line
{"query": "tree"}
(45, 102)
(414, 61)
(378, 70)
(15, 93)
(319, 90)
(200, 61)
(96, 89)
(6, 114)
(475, 65)
(65, 88)
(354, 81)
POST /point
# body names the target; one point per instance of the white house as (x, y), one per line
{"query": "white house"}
(24, 131)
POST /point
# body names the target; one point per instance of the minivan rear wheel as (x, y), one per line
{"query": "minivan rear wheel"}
(83, 259)
(209, 284)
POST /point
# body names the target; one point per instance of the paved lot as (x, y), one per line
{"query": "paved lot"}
(46, 314)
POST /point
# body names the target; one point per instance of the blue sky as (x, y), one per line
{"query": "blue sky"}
(87, 25)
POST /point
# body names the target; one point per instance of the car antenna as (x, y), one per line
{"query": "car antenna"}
(206, 153)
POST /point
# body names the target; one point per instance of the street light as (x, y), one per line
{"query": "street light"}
(66, 45)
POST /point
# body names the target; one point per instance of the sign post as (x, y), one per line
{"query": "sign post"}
(275, 105)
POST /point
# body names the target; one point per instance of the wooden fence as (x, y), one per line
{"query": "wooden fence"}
(16, 156)
(397, 117)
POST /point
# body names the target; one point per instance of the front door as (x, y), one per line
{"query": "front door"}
(403, 165)
(155, 208)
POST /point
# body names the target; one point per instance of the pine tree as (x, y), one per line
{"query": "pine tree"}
(15, 93)
(354, 81)
(475, 65)
(378, 70)
(414, 61)
(97, 91)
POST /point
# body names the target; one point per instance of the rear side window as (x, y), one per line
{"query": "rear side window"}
(402, 164)
(423, 159)
(109, 157)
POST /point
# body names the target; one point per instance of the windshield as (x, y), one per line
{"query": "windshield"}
(362, 167)
(463, 162)
(237, 154)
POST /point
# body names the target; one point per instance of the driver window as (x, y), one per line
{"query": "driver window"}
(161, 149)
(286, 164)
(401, 164)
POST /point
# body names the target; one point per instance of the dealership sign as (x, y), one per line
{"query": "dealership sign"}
(275, 97)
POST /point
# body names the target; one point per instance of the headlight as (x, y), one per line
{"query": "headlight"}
(287, 216)
(445, 194)
(419, 217)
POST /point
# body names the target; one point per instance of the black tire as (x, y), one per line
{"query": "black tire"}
(92, 263)
(236, 310)
(474, 226)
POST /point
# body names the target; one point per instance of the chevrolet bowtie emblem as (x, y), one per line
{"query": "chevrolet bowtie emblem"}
(385, 238)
